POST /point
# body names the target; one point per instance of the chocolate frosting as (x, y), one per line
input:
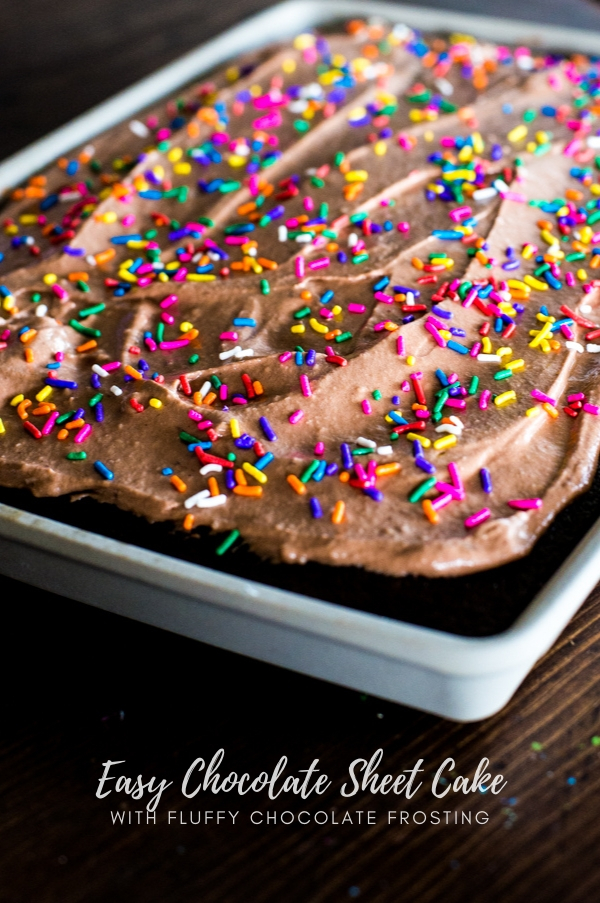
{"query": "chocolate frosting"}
(545, 457)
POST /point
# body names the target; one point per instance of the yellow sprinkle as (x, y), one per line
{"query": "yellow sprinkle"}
(357, 175)
(182, 169)
(411, 360)
(467, 174)
(186, 326)
(289, 66)
(255, 472)
(486, 345)
(445, 442)
(49, 278)
(536, 283)
(544, 331)
(581, 275)
(532, 412)
(548, 237)
(44, 393)
(543, 318)
(527, 252)
(517, 134)
(415, 437)
(162, 277)
(318, 327)
(200, 277)
(336, 310)
(505, 398)
(174, 154)
(298, 329)
(235, 428)
(2, 427)
(8, 302)
(17, 400)
(155, 403)
(517, 365)
(505, 351)
(380, 148)
(516, 283)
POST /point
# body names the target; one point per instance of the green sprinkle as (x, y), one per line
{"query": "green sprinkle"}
(358, 217)
(215, 381)
(188, 438)
(227, 542)
(421, 489)
(317, 182)
(577, 255)
(231, 456)
(537, 746)
(264, 221)
(356, 452)
(88, 311)
(35, 297)
(340, 157)
(592, 218)
(309, 471)
(473, 385)
(95, 399)
(529, 115)
(394, 436)
(205, 220)
(84, 330)
(194, 359)
(464, 287)
(595, 741)
(61, 419)
(343, 337)
(160, 332)
(301, 125)
(324, 209)
(303, 312)
(265, 288)
(77, 456)
(503, 374)
(82, 286)
(360, 258)
(377, 395)
(329, 233)
(228, 187)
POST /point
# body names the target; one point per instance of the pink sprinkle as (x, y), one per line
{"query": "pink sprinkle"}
(406, 387)
(296, 417)
(319, 448)
(453, 490)
(455, 476)
(59, 355)
(305, 386)
(145, 268)
(114, 365)
(229, 337)
(475, 349)
(171, 346)
(429, 326)
(285, 357)
(180, 275)
(270, 121)
(366, 406)
(253, 186)
(194, 415)
(308, 204)
(578, 396)
(459, 213)
(525, 504)
(400, 346)
(355, 309)
(403, 227)
(319, 264)
(82, 434)
(588, 408)
(385, 299)
(223, 390)
(299, 263)
(441, 501)
(567, 332)
(236, 239)
(456, 403)
(478, 518)
(361, 473)
(540, 396)
(128, 220)
(204, 424)
(49, 424)
(168, 301)
(452, 378)
(145, 280)
(447, 141)
(570, 279)
(470, 297)
(484, 399)
(328, 315)
(169, 319)
(60, 292)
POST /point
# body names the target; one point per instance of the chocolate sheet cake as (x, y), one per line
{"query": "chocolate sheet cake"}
(337, 300)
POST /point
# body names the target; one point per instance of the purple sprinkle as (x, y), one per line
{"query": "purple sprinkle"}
(374, 494)
(486, 480)
(315, 508)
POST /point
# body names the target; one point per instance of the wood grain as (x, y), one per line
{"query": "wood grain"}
(81, 686)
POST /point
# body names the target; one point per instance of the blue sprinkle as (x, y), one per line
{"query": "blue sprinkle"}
(327, 296)
(267, 429)
(103, 470)
(456, 346)
(244, 321)
(346, 456)
(60, 383)
(315, 508)
(486, 480)
(167, 471)
(99, 412)
(440, 312)
(311, 358)
(264, 461)
(230, 479)
(374, 494)
(448, 234)
(381, 284)
(331, 469)
(424, 464)
(397, 418)
(319, 473)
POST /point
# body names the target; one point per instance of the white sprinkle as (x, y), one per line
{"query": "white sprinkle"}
(385, 450)
(593, 349)
(90, 260)
(410, 298)
(211, 502)
(443, 85)
(366, 443)
(116, 390)
(251, 252)
(239, 354)
(282, 233)
(99, 370)
(41, 310)
(449, 428)
(225, 355)
(585, 308)
(352, 239)
(89, 150)
(206, 388)
(500, 185)
(304, 239)
(593, 141)
(211, 468)
(484, 194)
(489, 357)
(194, 499)
(138, 128)
(574, 346)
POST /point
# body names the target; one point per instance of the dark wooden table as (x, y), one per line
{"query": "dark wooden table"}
(81, 686)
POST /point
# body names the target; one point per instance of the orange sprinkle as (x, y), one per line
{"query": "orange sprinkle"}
(240, 477)
(87, 346)
(178, 483)
(339, 513)
(45, 408)
(28, 336)
(79, 277)
(213, 487)
(210, 398)
(62, 434)
(75, 424)
(573, 194)
(246, 208)
(104, 256)
(29, 355)
(550, 409)
(192, 334)
(257, 386)
(22, 408)
(386, 470)
(188, 522)
(267, 264)
(430, 512)
(332, 333)
(131, 371)
(418, 264)
(296, 484)
(344, 476)
(305, 295)
(248, 491)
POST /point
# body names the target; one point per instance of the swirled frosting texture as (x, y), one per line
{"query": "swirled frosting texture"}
(308, 198)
